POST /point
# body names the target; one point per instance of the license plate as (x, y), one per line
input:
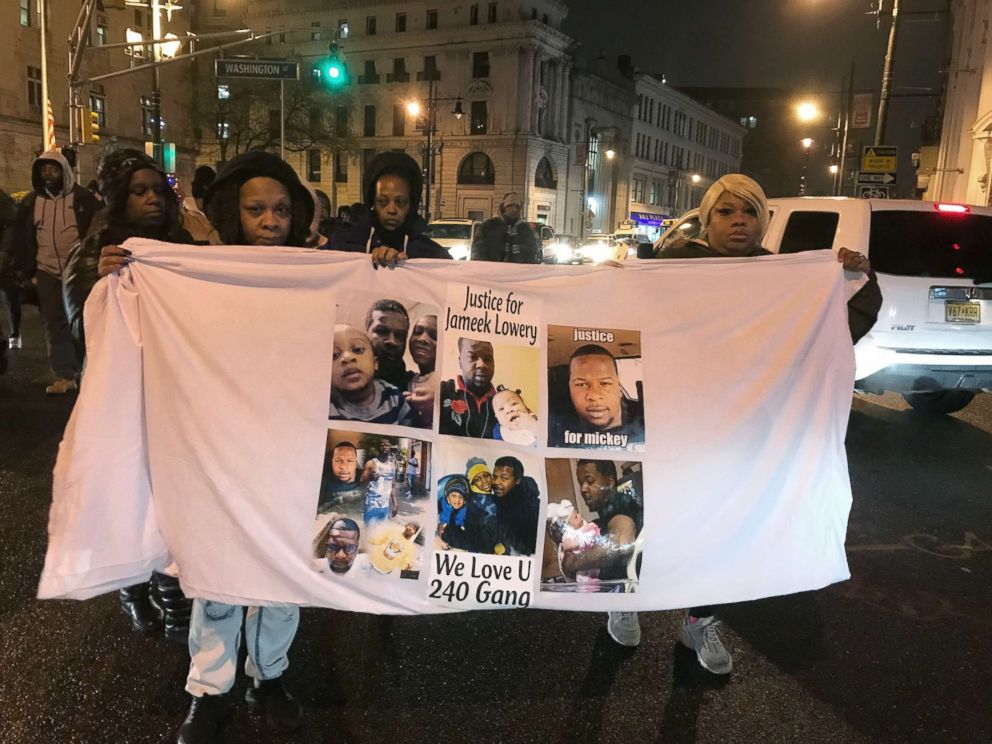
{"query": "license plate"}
(962, 312)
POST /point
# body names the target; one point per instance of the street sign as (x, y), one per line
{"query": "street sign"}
(257, 69)
(873, 192)
(879, 158)
(868, 179)
(861, 111)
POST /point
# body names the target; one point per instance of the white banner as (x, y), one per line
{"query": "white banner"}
(295, 427)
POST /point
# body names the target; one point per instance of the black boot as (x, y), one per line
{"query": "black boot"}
(282, 711)
(173, 606)
(203, 722)
(135, 604)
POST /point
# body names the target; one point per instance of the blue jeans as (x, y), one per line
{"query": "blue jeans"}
(215, 636)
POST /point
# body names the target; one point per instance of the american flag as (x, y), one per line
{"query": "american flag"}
(50, 128)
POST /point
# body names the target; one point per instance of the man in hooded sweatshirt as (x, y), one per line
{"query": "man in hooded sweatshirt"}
(50, 223)
(506, 237)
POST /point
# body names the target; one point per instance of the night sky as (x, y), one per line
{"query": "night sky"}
(805, 44)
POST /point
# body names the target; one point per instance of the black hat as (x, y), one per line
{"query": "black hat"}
(260, 164)
(115, 171)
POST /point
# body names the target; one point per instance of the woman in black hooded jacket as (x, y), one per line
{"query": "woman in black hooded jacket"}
(394, 231)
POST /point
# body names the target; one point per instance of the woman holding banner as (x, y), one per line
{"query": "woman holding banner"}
(734, 216)
(394, 230)
(256, 200)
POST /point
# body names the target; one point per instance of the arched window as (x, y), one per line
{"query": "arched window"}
(477, 170)
(544, 176)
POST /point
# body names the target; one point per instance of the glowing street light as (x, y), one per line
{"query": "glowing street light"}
(413, 108)
(695, 178)
(610, 154)
(807, 111)
(833, 169)
(806, 142)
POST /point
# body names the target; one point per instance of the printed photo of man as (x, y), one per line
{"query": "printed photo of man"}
(518, 505)
(387, 324)
(466, 401)
(342, 544)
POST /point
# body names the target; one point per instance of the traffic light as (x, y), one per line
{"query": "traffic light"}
(89, 125)
(331, 72)
(94, 126)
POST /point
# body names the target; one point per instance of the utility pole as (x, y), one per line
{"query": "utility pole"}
(156, 85)
(46, 135)
(848, 112)
(883, 101)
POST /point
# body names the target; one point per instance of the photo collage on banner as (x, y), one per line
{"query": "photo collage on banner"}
(594, 516)
(488, 479)
(595, 388)
(374, 507)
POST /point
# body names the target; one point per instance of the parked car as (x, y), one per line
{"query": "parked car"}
(562, 250)
(455, 234)
(600, 247)
(932, 342)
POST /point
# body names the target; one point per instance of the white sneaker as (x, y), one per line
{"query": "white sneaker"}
(14, 342)
(624, 628)
(703, 637)
(61, 386)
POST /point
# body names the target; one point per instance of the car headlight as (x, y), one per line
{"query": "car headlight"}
(563, 252)
(597, 252)
(459, 251)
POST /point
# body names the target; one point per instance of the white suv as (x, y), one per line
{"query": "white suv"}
(454, 234)
(932, 341)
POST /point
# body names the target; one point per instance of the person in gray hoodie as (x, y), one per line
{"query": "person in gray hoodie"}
(50, 223)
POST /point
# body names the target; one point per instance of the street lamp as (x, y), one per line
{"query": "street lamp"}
(428, 110)
(610, 153)
(807, 143)
(807, 111)
(695, 178)
(833, 169)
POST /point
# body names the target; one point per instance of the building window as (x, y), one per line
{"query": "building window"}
(26, 13)
(431, 20)
(341, 121)
(368, 127)
(223, 129)
(400, 22)
(480, 64)
(399, 73)
(341, 167)
(533, 14)
(369, 77)
(473, 15)
(492, 12)
(477, 170)
(315, 34)
(313, 166)
(223, 91)
(544, 176)
(98, 103)
(430, 69)
(544, 19)
(343, 28)
(480, 118)
(639, 183)
(100, 31)
(34, 87)
(399, 120)
(370, 25)
(219, 10)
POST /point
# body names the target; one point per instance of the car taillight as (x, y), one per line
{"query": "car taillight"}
(951, 208)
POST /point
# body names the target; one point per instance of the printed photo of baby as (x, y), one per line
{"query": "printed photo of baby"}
(516, 423)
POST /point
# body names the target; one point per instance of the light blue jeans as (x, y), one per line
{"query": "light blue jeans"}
(215, 636)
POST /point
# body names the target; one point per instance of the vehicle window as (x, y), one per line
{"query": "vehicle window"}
(809, 231)
(449, 232)
(931, 244)
(686, 231)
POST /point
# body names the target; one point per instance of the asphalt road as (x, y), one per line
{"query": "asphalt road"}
(901, 653)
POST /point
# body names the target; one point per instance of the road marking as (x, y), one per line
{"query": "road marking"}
(931, 546)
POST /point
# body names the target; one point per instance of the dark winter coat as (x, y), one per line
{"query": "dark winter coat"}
(516, 518)
(493, 242)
